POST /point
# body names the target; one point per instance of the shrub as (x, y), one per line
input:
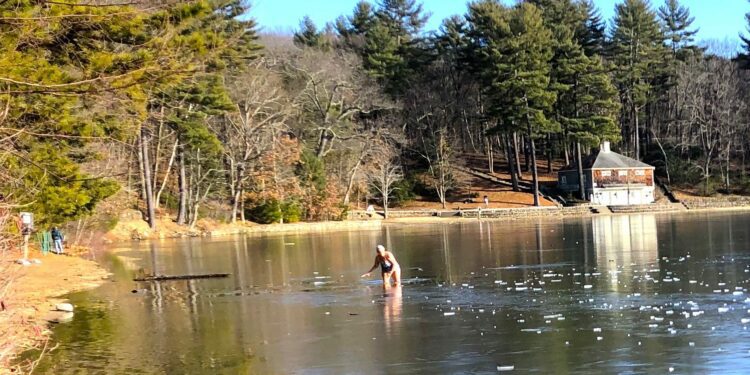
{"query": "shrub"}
(273, 211)
(266, 212)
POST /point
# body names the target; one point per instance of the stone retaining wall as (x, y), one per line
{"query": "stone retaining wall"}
(645, 208)
(705, 203)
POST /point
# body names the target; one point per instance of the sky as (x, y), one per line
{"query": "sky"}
(716, 19)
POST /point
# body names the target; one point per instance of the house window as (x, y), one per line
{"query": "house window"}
(606, 173)
(640, 172)
(564, 180)
(622, 173)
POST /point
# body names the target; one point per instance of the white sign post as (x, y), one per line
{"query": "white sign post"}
(27, 225)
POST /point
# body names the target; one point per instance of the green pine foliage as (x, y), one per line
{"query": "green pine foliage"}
(308, 35)
(677, 23)
(638, 53)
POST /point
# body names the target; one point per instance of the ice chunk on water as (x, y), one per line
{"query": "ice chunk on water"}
(506, 367)
(597, 329)
(588, 286)
(723, 310)
(745, 320)
(449, 313)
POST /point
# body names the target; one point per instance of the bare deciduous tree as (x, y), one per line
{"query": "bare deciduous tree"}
(384, 173)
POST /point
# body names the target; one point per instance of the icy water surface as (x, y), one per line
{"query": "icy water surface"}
(610, 294)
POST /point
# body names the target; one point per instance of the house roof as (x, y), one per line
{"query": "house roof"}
(607, 160)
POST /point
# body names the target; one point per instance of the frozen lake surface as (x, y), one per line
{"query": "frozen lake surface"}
(612, 294)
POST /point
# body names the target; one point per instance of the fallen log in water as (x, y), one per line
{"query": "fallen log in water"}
(180, 277)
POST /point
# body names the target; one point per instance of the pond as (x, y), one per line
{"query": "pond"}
(607, 294)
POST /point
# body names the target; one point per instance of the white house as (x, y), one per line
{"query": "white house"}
(611, 179)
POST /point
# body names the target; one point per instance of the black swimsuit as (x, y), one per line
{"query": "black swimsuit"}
(386, 266)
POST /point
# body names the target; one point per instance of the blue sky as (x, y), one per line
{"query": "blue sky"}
(715, 21)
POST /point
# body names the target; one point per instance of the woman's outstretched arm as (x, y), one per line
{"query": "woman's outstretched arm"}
(374, 266)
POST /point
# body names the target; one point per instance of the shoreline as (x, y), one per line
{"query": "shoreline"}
(32, 296)
(126, 232)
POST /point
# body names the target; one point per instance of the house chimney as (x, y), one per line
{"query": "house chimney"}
(605, 147)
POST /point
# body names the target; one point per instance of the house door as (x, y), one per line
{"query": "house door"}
(635, 196)
(618, 197)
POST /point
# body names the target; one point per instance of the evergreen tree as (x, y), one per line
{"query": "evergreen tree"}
(637, 51)
(677, 21)
(308, 35)
(591, 34)
(586, 103)
(404, 18)
(392, 50)
(352, 30)
(516, 49)
(592, 108)
(210, 40)
(64, 70)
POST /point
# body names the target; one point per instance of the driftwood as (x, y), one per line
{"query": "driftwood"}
(180, 277)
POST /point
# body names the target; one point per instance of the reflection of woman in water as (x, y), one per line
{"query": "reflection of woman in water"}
(388, 266)
(392, 311)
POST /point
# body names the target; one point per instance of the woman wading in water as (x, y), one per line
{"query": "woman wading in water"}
(388, 267)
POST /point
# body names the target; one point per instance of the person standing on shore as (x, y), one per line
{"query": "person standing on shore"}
(486, 201)
(57, 238)
(389, 267)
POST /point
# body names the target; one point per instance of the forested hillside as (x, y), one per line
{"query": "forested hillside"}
(190, 110)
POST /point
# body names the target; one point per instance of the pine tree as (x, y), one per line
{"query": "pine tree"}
(591, 35)
(308, 35)
(352, 30)
(637, 50)
(210, 40)
(62, 80)
(677, 21)
(404, 18)
(392, 51)
(516, 49)
(593, 108)
(586, 103)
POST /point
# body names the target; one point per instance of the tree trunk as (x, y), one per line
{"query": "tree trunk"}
(352, 175)
(511, 163)
(182, 210)
(147, 183)
(242, 206)
(517, 155)
(157, 154)
(579, 168)
(532, 152)
(166, 174)
(534, 174)
(237, 192)
(322, 143)
(549, 153)
(385, 205)
(637, 134)
(526, 153)
(490, 156)
(235, 205)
